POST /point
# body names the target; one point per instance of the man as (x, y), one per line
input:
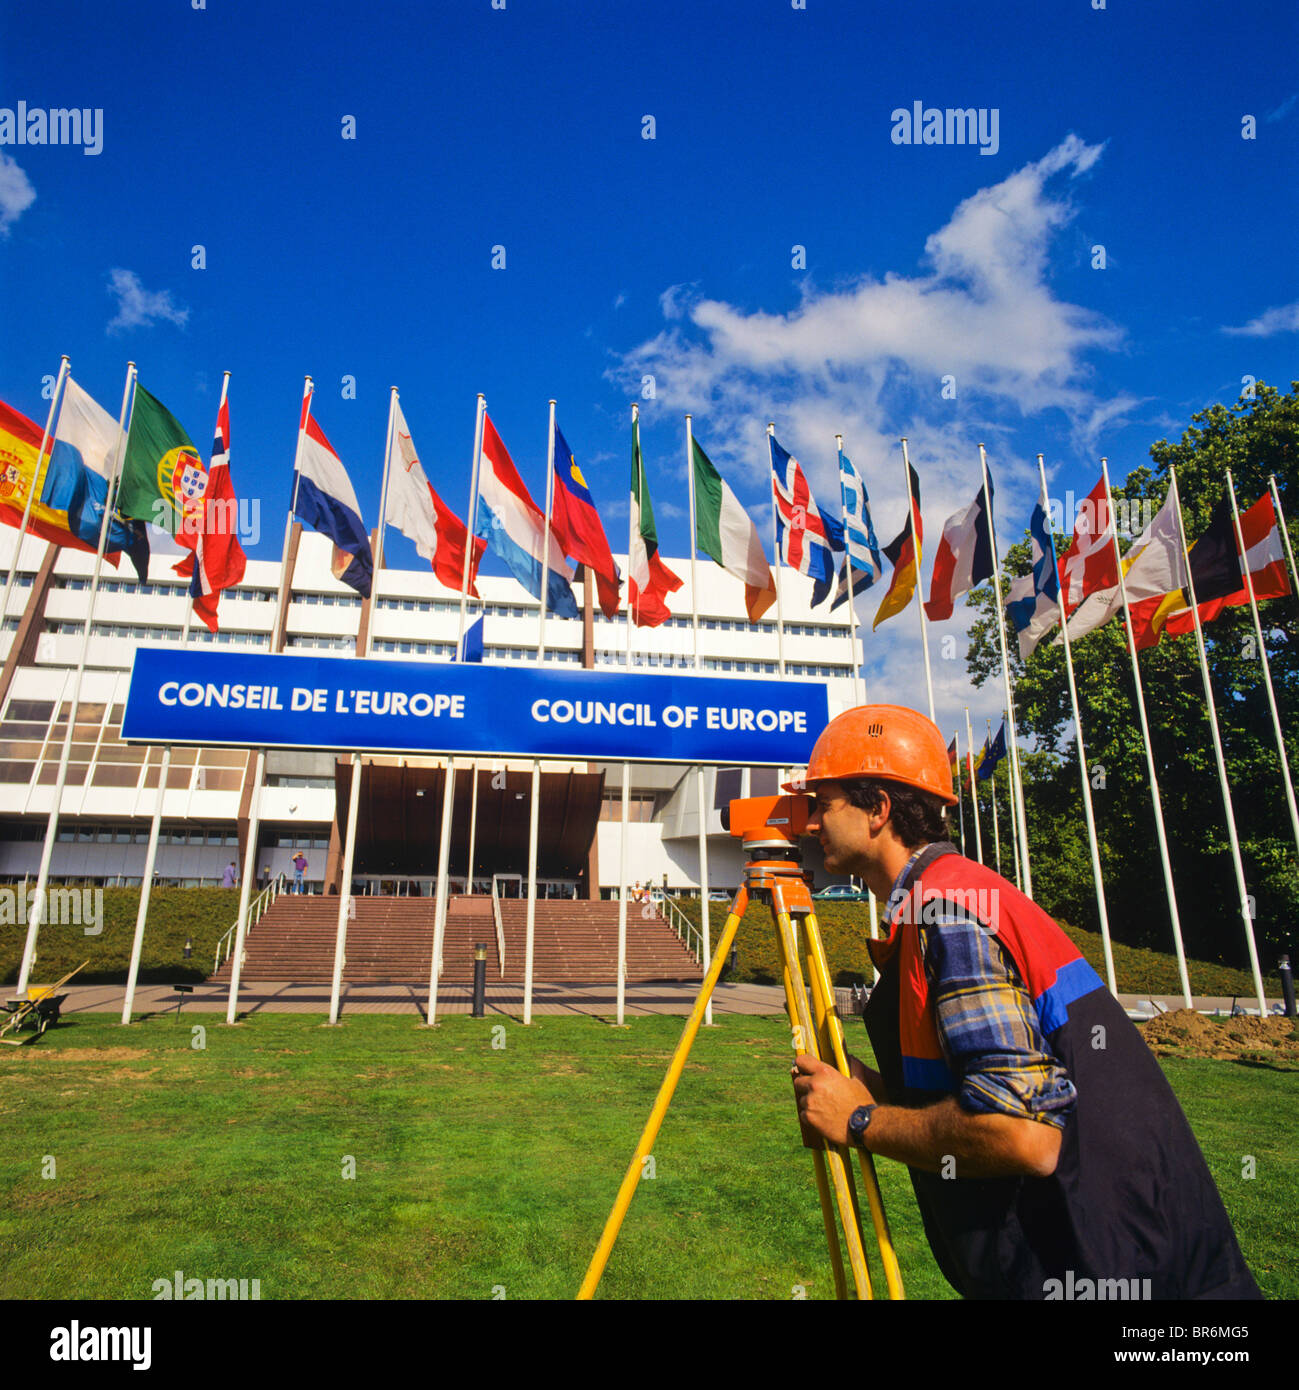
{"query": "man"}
(229, 875)
(299, 868)
(1045, 1146)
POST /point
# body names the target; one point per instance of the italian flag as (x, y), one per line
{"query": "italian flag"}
(650, 579)
(724, 532)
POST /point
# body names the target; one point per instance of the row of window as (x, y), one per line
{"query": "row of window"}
(92, 834)
(720, 663)
(155, 589)
(227, 637)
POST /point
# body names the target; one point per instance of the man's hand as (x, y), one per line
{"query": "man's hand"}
(826, 1100)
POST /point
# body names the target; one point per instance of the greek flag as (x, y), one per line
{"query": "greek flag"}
(859, 532)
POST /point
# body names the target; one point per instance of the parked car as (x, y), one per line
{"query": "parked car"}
(843, 893)
(717, 896)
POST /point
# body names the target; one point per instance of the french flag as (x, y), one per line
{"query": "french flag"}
(218, 560)
(325, 500)
(515, 527)
(806, 538)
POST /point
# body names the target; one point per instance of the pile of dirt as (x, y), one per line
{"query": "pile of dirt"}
(1185, 1033)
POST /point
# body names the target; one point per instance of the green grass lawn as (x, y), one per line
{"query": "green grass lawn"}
(476, 1167)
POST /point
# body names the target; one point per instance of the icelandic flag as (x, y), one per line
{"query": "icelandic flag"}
(324, 499)
(211, 524)
(806, 538)
(576, 524)
(859, 535)
(471, 645)
(514, 526)
(1033, 600)
(76, 477)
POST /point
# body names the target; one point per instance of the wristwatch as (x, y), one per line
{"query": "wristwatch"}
(858, 1123)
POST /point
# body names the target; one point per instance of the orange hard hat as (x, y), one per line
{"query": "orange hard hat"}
(890, 742)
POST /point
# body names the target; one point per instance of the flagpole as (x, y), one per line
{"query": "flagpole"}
(699, 771)
(259, 772)
(694, 578)
(545, 546)
(858, 691)
(440, 902)
(151, 854)
(345, 908)
(1160, 831)
(775, 546)
(1019, 822)
(52, 826)
(631, 517)
(64, 367)
(1285, 535)
(532, 892)
(974, 795)
(992, 796)
(1014, 837)
(471, 529)
(1245, 912)
(1082, 753)
(915, 548)
(1267, 669)
(622, 895)
(960, 798)
(473, 825)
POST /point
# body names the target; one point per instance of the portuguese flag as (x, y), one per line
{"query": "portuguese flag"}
(724, 532)
(163, 476)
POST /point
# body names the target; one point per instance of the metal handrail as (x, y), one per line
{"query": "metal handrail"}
(500, 930)
(256, 910)
(674, 915)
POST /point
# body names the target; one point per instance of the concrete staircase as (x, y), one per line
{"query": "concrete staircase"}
(390, 941)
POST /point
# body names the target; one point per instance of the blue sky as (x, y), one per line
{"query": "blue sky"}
(670, 257)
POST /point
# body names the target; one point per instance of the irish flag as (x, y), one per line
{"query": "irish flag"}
(650, 579)
(724, 532)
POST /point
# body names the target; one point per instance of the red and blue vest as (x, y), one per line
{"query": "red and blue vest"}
(1131, 1198)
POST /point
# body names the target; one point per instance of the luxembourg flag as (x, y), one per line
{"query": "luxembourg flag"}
(806, 538)
(515, 528)
(325, 500)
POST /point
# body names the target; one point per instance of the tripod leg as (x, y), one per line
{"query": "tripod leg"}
(652, 1125)
(823, 997)
(834, 1154)
(822, 1182)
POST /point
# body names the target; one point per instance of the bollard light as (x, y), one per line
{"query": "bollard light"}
(1287, 985)
(480, 980)
(188, 949)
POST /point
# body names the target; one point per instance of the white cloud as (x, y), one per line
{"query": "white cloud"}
(16, 193)
(1283, 319)
(138, 307)
(980, 310)
(1284, 109)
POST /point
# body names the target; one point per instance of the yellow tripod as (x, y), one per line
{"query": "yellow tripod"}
(769, 828)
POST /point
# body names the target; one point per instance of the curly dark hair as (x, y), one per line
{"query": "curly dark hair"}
(918, 818)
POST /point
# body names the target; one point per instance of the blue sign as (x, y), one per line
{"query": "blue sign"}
(372, 706)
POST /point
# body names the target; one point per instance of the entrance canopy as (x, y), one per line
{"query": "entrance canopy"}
(400, 820)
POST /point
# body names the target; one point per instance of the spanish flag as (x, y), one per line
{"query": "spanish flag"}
(903, 552)
(21, 475)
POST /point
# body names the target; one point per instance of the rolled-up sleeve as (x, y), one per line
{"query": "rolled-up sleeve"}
(989, 1030)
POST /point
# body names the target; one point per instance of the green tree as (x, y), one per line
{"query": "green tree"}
(1254, 438)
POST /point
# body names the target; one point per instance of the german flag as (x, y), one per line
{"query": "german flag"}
(903, 552)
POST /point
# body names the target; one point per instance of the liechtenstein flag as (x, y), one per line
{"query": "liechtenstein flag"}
(576, 524)
(323, 498)
(806, 538)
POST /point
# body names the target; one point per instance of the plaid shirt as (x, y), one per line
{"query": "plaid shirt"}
(988, 1027)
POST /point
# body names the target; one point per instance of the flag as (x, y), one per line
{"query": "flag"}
(992, 754)
(964, 556)
(807, 539)
(976, 763)
(471, 645)
(76, 477)
(1153, 567)
(649, 581)
(859, 536)
(20, 476)
(1032, 601)
(416, 510)
(162, 474)
(1089, 564)
(323, 498)
(1216, 569)
(515, 527)
(212, 528)
(951, 755)
(903, 552)
(725, 533)
(574, 519)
